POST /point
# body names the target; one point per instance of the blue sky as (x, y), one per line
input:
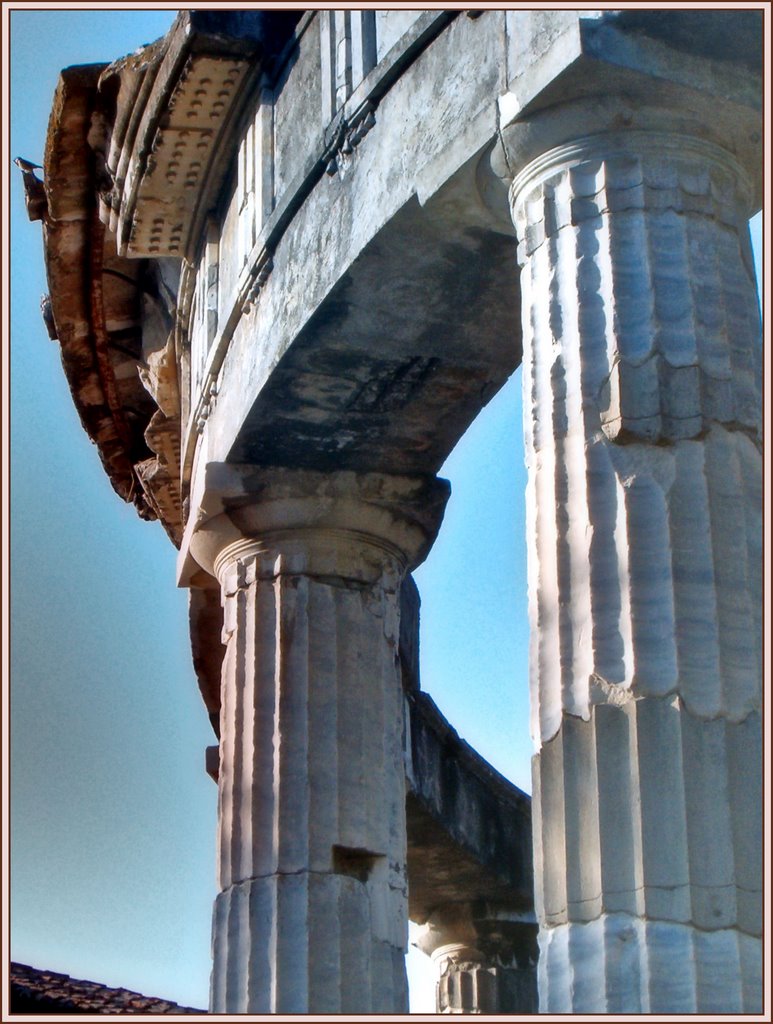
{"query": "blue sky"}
(113, 816)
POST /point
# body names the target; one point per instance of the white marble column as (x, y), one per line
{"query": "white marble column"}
(312, 913)
(642, 377)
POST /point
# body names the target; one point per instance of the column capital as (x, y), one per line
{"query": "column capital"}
(315, 519)
(478, 931)
(661, 160)
(612, 73)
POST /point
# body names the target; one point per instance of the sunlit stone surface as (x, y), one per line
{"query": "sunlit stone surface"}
(642, 376)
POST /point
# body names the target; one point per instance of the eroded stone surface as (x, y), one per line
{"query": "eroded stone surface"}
(642, 397)
(627, 964)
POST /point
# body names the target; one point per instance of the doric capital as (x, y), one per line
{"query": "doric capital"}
(633, 71)
(342, 524)
(631, 170)
(480, 932)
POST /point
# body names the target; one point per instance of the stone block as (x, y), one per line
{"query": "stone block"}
(621, 964)
(745, 794)
(709, 831)
(619, 824)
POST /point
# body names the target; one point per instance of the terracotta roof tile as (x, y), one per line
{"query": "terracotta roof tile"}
(34, 990)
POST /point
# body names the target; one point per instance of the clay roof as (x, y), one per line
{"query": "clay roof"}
(38, 991)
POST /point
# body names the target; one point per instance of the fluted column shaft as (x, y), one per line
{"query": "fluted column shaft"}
(312, 912)
(642, 376)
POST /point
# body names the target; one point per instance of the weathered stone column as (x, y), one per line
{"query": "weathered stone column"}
(642, 406)
(312, 913)
(485, 957)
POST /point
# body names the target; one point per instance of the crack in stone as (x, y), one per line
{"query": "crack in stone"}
(308, 871)
(620, 359)
(341, 582)
(606, 211)
(673, 696)
(645, 919)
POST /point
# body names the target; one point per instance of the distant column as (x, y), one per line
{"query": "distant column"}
(485, 958)
(312, 913)
(642, 377)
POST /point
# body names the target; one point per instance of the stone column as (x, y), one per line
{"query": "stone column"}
(485, 957)
(642, 376)
(312, 912)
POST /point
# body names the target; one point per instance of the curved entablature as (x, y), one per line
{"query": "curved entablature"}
(113, 311)
(337, 166)
(282, 160)
(342, 157)
(96, 296)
